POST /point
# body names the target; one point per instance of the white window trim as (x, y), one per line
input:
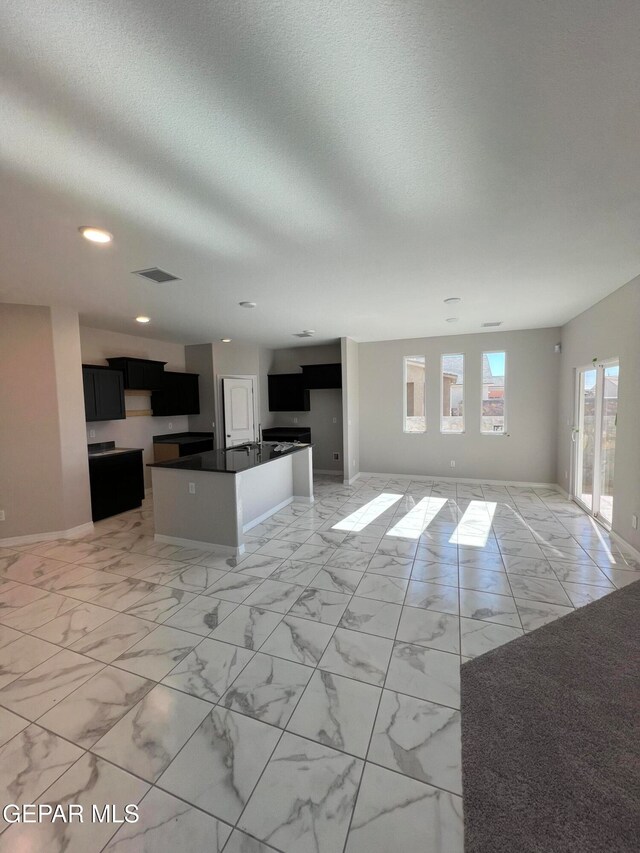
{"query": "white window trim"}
(504, 429)
(464, 392)
(404, 395)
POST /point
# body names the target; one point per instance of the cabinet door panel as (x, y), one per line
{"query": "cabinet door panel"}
(109, 395)
(178, 395)
(89, 394)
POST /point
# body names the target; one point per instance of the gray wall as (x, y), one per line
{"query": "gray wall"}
(350, 407)
(609, 329)
(528, 453)
(199, 359)
(326, 405)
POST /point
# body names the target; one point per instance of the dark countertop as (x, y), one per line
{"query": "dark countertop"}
(108, 448)
(182, 437)
(231, 461)
(293, 432)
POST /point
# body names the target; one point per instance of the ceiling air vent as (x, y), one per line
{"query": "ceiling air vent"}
(157, 275)
(491, 325)
(307, 333)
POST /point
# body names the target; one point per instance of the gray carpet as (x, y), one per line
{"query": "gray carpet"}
(551, 736)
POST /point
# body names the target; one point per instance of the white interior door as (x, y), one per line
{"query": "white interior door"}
(238, 410)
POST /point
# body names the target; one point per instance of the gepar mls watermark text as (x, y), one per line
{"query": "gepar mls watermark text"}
(69, 813)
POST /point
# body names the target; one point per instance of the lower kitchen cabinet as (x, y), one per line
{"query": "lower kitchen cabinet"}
(117, 482)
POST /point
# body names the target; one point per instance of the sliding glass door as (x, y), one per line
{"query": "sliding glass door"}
(595, 438)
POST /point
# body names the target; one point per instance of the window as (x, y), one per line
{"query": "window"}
(493, 412)
(452, 396)
(414, 394)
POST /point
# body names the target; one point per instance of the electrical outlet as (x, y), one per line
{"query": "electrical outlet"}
(170, 425)
(453, 463)
(634, 520)
(192, 488)
(336, 457)
(295, 420)
(335, 420)
(2, 518)
(92, 433)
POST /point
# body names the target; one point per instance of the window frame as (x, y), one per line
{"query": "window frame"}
(504, 428)
(443, 355)
(405, 359)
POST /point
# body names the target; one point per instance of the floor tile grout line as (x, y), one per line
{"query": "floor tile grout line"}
(278, 623)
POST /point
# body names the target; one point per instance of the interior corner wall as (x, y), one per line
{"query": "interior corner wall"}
(350, 407)
(526, 454)
(609, 329)
(99, 344)
(76, 495)
(233, 359)
(199, 359)
(325, 418)
(43, 473)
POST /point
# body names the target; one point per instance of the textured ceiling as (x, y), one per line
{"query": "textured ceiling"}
(347, 165)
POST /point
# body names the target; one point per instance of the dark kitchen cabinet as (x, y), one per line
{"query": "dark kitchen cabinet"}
(117, 483)
(287, 393)
(140, 374)
(317, 376)
(103, 393)
(177, 395)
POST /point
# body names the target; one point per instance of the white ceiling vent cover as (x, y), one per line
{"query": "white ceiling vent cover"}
(491, 325)
(157, 275)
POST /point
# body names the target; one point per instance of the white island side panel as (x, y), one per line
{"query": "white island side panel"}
(211, 516)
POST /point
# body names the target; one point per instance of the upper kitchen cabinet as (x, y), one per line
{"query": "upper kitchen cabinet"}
(140, 374)
(177, 395)
(318, 376)
(287, 393)
(103, 393)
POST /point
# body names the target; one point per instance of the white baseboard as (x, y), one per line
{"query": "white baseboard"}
(621, 541)
(71, 533)
(347, 482)
(223, 550)
(422, 478)
(265, 515)
(624, 545)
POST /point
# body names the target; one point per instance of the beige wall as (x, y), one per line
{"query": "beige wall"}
(527, 453)
(97, 345)
(76, 494)
(44, 481)
(326, 404)
(609, 329)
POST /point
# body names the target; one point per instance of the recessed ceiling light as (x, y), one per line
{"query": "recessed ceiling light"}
(452, 300)
(452, 320)
(143, 319)
(226, 340)
(96, 235)
(247, 304)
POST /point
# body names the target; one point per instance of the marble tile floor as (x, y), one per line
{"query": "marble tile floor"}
(303, 697)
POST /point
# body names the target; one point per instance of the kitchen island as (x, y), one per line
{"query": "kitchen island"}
(210, 500)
